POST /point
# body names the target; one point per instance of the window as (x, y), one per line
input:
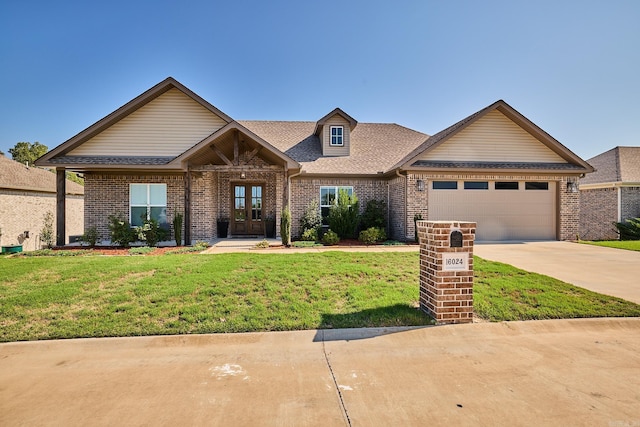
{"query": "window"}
(476, 185)
(536, 185)
(329, 197)
(336, 136)
(147, 201)
(507, 185)
(445, 185)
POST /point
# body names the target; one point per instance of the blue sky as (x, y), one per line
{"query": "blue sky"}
(572, 67)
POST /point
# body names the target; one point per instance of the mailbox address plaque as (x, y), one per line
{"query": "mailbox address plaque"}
(455, 261)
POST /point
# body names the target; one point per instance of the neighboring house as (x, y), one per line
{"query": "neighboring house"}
(26, 195)
(169, 150)
(610, 194)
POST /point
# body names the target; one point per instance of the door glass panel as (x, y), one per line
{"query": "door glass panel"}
(256, 203)
(239, 213)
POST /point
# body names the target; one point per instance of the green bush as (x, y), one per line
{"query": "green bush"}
(47, 235)
(311, 218)
(121, 232)
(310, 235)
(285, 226)
(90, 236)
(374, 214)
(143, 250)
(151, 232)
(629, 229)
(344, 215)
(372, 235)
(330, 238)
(177, 227)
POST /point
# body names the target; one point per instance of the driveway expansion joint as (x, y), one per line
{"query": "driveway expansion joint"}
(335, 382)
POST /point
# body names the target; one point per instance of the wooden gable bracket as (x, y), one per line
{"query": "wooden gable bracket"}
(253, 153)
(221, 155)
(236, 148)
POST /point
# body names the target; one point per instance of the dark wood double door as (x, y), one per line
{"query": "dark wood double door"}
(247, 209)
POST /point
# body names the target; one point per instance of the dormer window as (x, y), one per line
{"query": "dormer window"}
(337, 133)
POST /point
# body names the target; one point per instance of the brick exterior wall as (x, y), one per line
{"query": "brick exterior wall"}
(598, 212)
(447, 296)
(304, 190)
(397, 208)
(569, 219)
(22, 211)
(630, 205)
(108, 194)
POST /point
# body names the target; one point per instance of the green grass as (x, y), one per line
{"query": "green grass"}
(93, 296)
(630, 245)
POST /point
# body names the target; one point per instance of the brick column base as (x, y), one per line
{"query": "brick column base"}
(446, 270)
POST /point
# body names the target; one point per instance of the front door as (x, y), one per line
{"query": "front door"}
(247, 205)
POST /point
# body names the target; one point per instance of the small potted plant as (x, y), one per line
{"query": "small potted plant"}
(270, 226)
(223, 226)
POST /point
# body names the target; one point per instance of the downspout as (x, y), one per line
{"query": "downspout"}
(406, 195)
(619, 204)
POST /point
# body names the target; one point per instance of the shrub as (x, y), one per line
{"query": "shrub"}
(310, 235)
(344, 215)
(372, 235)
(141, 250)
(311, 218)
(285, 226)
(151, 232)
(90, 236)
(177, 227)
(629, 229)
(263, 244)
(121, 232)
(47, 235)
(374, 214)
(330, 238)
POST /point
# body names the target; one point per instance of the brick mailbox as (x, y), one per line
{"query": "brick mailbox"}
(446, 270)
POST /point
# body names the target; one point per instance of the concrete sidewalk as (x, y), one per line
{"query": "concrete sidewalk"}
(607, 271)
(560, 372)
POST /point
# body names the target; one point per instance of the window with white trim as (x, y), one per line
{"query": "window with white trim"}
(337, 136)
(147, 201)
(329, 197)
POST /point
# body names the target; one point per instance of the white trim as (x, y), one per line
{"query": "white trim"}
(341, 136)
(148, 205)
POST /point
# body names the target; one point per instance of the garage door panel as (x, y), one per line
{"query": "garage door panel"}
(499, 214)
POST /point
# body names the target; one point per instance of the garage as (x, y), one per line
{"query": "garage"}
(503, 210)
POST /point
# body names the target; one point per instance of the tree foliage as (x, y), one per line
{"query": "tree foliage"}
(344, 215)
(629, 229)
(24, 152)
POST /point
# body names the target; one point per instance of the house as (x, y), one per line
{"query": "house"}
(610, 194)
(169, 150)
(26, 195)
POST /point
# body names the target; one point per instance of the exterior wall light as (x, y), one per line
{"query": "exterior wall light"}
(420, 184)
(243, 175)
(572, 186)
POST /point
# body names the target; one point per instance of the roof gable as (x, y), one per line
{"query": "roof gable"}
(336, 112)
(155, 118)
(495, 137)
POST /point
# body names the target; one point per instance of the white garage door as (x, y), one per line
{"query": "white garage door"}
(503, 210)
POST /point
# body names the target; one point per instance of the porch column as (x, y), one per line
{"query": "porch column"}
(61, 192)
(187, 208)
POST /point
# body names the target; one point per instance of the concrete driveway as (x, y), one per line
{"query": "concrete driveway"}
(581, 372)
(607, 271)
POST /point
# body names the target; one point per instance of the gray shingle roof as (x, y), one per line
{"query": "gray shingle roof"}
(16, 176)
(375, 147)
(620, 164)
(110, 160)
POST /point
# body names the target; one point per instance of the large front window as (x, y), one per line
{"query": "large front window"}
(329, 197)
(147, 201)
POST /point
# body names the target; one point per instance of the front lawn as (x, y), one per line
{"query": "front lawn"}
(98, 296)
(630, 245)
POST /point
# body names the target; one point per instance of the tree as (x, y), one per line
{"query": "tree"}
(24, 152)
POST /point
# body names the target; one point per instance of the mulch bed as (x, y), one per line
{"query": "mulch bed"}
(116, 250)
